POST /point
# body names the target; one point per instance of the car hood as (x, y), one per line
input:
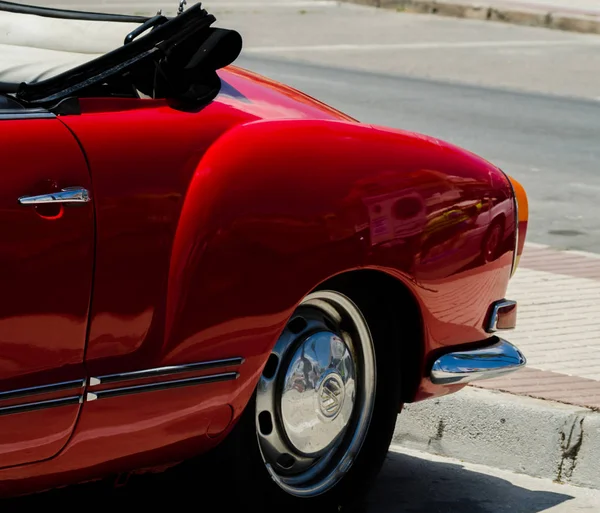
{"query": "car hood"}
(263, 98)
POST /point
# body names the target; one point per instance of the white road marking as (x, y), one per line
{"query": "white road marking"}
(421, 46)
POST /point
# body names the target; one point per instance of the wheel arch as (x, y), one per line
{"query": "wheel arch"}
(397, 313)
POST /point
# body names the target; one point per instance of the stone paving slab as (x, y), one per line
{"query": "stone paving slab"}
(548, 385)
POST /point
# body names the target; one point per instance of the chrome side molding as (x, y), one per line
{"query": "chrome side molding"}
(44, 389)
(161, 385)
(460, 367)
(165, 371)
(80, 394)
(226, 373)
(40, 405)
(36, 396)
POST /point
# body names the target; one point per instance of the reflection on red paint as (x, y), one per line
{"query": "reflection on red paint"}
(44, 434)
(50, 212)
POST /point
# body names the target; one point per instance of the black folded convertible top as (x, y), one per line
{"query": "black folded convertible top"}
(164, 57)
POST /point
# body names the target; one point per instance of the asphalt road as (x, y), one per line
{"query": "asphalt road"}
(410, 482)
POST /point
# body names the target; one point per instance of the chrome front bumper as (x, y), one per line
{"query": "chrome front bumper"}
(489, 362)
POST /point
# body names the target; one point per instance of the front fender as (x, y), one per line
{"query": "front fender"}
(277, 207)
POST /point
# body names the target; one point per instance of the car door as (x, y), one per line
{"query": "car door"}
(46, 265)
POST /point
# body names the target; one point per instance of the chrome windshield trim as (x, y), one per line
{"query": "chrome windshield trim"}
(163, 385)
(43, 389)
(165, 371)
(40, 405)
(15, 114)
(460, 367)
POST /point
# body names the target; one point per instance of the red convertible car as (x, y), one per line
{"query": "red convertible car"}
(196, 258)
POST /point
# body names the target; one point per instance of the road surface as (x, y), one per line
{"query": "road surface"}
(410, 482)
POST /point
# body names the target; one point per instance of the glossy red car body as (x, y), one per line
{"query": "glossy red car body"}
(205, 231)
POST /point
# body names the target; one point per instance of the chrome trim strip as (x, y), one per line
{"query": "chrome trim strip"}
(516, 204)
(165, 371)
(44, 389)
(40, 405)
(466, 366)
(492, 326)
(517, 241)
(163, 385)
(10, 114)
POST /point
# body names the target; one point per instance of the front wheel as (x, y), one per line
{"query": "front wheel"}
(323, 414)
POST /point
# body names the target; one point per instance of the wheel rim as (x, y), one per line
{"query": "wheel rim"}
(315, 398)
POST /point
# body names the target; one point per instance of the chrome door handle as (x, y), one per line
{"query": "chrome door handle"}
(67, 195)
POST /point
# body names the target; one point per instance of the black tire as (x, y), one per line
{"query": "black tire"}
(240, 457)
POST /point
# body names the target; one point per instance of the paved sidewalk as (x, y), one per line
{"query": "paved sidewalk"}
(571, 15)
(558, 327)
(544, 420)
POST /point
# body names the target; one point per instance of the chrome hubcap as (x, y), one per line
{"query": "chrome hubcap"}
(315, 398)
(318, 393)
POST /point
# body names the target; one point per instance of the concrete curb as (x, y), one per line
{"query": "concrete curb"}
(529, 436)
(572, 22)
